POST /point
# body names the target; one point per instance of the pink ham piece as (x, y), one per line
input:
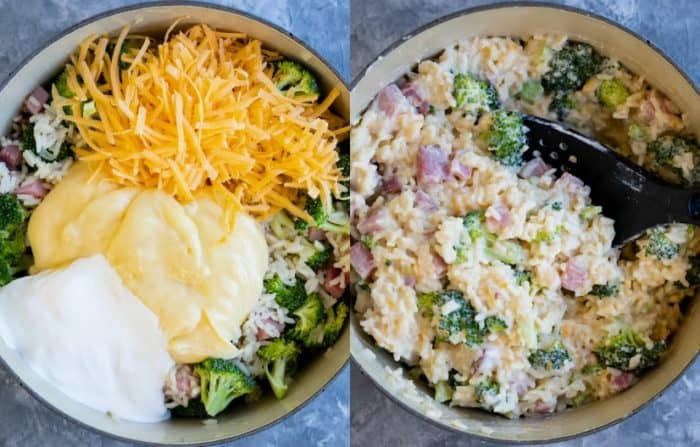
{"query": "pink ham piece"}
(362, 260)
(622, 381)
(433, 165)
(533, 168)
(440, 265)
(36, 100)
(569, 183)
(575, 274)
(391, 185)
(375, 221)
(409, 281)
(497, 216)
(459, 170)
(11, 156)
(314, 234)
(263, 335)
(35, 189)
(413, 92)
(424, 202)
(331, 284)
(542, 407)
(391, 101)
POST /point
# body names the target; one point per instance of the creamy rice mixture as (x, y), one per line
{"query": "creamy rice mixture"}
(448, 235)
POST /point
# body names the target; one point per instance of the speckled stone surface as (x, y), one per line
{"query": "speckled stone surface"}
(323, 25)
(673, 419)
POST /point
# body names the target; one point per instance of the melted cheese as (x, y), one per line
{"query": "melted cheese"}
(199, 110)
(200, 278)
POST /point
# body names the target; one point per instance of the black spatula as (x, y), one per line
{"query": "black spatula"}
(634, 198)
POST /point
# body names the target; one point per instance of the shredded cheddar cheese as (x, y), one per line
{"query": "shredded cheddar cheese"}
(200, 110)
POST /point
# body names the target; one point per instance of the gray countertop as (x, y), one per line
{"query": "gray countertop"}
(674, 418)
(27, 24)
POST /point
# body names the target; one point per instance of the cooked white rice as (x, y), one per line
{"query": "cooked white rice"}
(416, 250)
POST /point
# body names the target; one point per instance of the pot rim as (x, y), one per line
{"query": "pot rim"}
(159, 4)
(435, 23)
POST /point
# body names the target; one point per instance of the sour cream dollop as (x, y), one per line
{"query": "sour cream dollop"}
(84, 332)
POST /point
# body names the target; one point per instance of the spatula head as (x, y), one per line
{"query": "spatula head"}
(634, 198)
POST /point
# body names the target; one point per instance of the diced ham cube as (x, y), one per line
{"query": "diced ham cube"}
(622, 381)
(424, 202)
(263, 335)
(11, 155)
(331, 284)
(391, 185)
(391, 101)
(35, 189)
(575, 274)
(459, 170)
(433, 165)
(440, 265)
(409, 281)
(36, 100)
(375, 221)
(569, 183)
(543, 407)
(413, 92)
(362, 260)
(497, 216)
(314, 234)
(534, 168)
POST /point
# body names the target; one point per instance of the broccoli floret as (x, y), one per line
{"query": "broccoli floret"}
(320, 258)
(553, 357)
(591, 369)
(13, 247)
(282, 226)
(61, 83)
(494, 324)
(612, 93)
(310, 315)
(194, 409)
(636, 132)
(368, 240)
(293, 79)
(508, 252)
(660, 246)
(693, 273)
(668, 149)
(590, 212)
(290, 297)
(488, 386)
(474, 96)
(531, 91)
(344, 165)
(28, 143)
(335, 222)
(522, 277)
(571, 67)
(221, 381)
(459, 325)
(125, 49)
(629, 350)
(580, 399)
(280, 357)
(506, 137)
(605, 290)
(335, 321)
(473, 219)
(561, 104)
(443, 391)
